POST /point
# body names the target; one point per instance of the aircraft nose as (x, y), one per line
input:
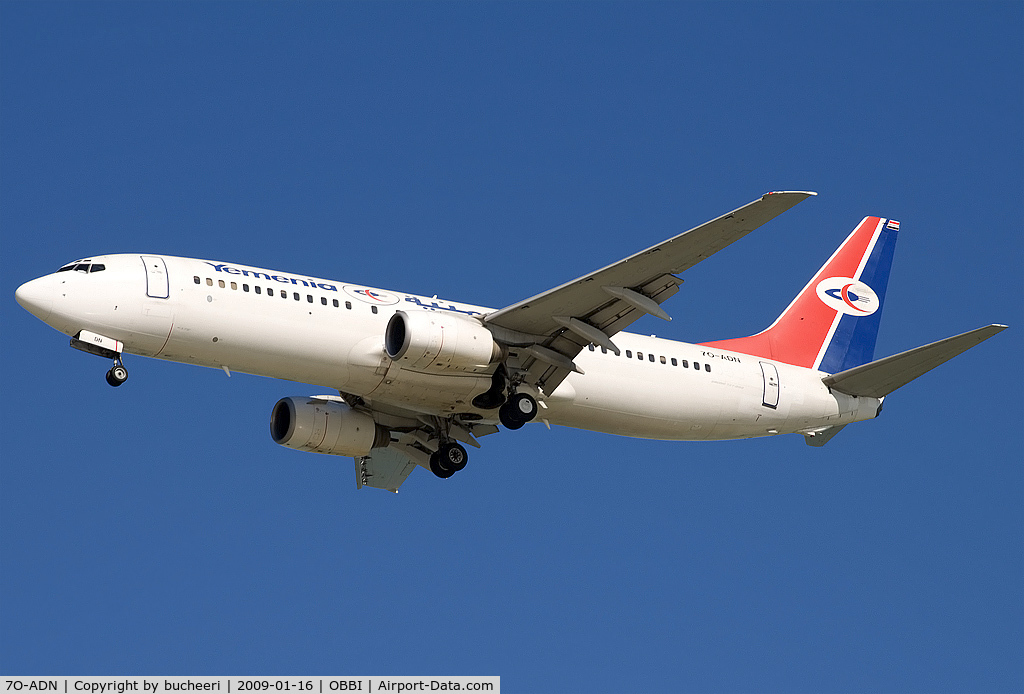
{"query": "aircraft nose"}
(36, 297)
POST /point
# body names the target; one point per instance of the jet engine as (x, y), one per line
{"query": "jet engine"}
(440, 343)
(325, 426)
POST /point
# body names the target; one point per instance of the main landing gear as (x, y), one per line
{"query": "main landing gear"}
(519, 409)
(449, 459)
(117, 374)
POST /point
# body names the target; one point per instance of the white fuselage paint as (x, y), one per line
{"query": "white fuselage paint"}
(341, 348)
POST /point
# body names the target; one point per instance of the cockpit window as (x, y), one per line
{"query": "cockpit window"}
(84, 267)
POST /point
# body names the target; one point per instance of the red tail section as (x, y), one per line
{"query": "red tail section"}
(832, 324)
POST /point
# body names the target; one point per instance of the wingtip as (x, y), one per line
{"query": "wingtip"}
(808, 193)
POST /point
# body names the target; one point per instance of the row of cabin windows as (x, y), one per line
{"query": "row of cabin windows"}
(270, 292)
(650, 357)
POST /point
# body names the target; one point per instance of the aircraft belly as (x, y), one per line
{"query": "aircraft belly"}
(432, 393)
(729, 404)
(676, 408)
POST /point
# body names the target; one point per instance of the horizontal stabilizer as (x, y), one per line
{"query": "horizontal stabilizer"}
(881, 377)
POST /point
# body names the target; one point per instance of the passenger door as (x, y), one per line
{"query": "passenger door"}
(771, 385)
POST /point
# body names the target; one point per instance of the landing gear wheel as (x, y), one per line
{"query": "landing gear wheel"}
(524, 406)
(117, 375)
(453, 456)
(507, 417)
(449, 459)
(437, 468)
(520, 409)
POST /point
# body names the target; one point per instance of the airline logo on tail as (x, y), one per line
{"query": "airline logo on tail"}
(847, 295)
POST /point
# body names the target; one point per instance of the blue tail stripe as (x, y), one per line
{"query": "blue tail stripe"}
(853, 342)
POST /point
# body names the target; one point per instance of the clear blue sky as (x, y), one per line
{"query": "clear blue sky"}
(486, 152)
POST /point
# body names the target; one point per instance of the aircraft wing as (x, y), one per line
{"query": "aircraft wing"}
(550, 329)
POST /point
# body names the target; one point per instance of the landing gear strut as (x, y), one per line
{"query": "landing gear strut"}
(519, 409)
(449, 459)
(117, 374)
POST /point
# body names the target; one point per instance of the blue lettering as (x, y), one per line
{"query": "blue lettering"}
(225, 268)
(434, 306)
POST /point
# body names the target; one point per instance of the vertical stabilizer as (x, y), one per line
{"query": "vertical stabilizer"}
(833, 323)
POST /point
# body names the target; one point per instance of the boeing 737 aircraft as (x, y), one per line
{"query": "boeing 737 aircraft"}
(417, 377)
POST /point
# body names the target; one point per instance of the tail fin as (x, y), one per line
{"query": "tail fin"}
(832, 324)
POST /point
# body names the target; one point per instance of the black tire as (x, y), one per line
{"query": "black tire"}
(438, 469)
(116, 376)
(507, 416)
(524, 406)
(453, 456)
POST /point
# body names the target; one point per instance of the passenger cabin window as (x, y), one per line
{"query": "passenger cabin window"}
(245, 287)
(707, 367)
(348, 305)
(258, 289)
(323, 300)
(686, 364)
(650, 357)
(296, 295)
(234, 285)
(335, 303)
(309, 298)
(629, 354)
(674, 362)
(696, 366)
(373, 308)
(209, 282)
(662, 360)
(590, 347)
(270, 291)
(220, 283)
(196, 279)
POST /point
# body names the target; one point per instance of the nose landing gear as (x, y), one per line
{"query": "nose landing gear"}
(106, 347)
(117, 374)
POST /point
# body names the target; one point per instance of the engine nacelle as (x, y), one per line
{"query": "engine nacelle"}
(440, 343)
(325, 426)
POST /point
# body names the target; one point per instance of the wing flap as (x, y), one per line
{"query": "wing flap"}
(384, 468)
(882, 376)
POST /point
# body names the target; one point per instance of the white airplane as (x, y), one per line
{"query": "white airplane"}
(418, 377)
